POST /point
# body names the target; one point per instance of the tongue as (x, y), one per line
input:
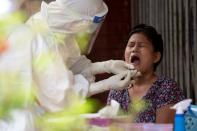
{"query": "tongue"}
(136, 62)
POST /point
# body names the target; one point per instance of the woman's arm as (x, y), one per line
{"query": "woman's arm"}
(165, 115)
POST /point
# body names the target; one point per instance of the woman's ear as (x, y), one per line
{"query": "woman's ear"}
(157, 57)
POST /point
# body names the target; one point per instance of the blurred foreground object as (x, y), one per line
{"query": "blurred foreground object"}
(28, 58)
(41, 54)
(9, 6)
(15, 97)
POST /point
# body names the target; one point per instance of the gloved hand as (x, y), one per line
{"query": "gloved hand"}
(117, 66)
(111, 66)
(118, 82)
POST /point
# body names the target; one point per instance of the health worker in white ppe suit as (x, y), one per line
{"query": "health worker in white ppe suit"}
(47, 53)
(51, 57)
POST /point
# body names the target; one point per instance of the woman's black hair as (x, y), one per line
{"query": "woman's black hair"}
(153, 36)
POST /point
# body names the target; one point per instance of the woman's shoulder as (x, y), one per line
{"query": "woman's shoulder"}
(168, 91)
(167, 82)
(167, 86)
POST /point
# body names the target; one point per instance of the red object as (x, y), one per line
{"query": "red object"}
(3, 46)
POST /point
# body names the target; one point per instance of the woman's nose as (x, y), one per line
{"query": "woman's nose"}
(135, 48)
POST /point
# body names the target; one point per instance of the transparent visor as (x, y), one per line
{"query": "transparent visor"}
(87, 33)
(85, 39)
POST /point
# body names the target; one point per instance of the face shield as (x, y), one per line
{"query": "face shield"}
(86, 37)
(86, 28)
(79, 18)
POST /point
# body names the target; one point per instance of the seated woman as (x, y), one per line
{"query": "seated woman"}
(145, 50)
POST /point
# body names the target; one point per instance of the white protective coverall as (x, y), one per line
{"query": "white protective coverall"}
(50, 58)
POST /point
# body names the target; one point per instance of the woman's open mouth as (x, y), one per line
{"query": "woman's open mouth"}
(135, 60)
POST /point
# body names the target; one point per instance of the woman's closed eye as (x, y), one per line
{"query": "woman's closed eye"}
(139, 44)
(131, 44)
